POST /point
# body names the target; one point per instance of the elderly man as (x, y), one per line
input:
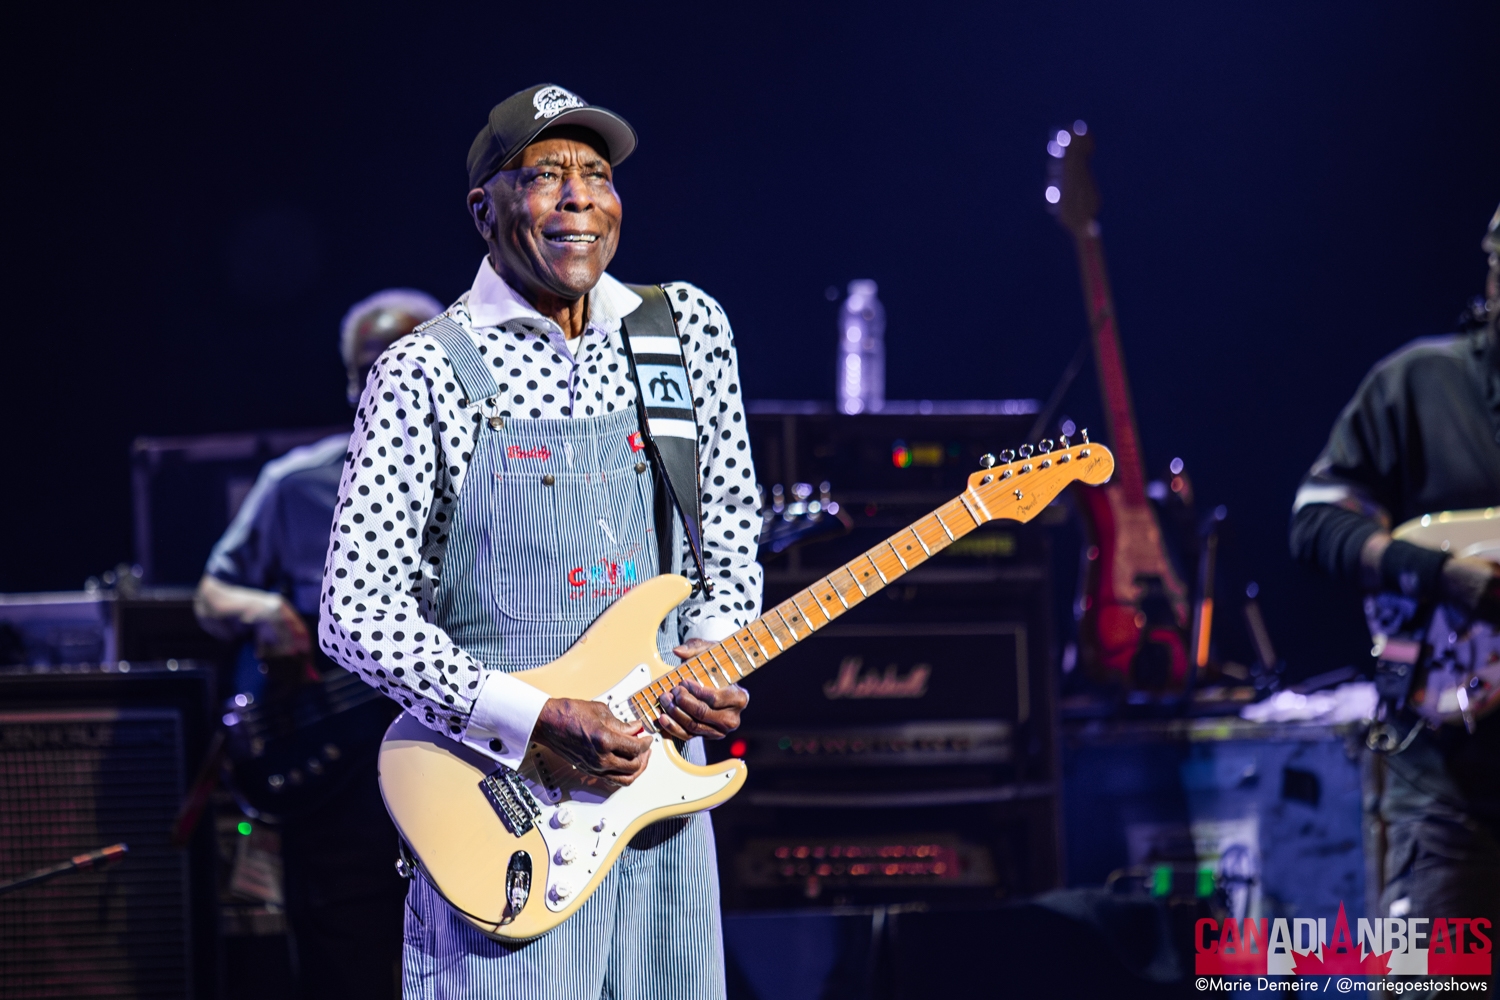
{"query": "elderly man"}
(262, 582)
(497, 499)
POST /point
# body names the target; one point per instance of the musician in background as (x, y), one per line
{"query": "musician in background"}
(1422, 435)
(343, 896)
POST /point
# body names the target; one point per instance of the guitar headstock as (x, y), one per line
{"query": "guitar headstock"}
(1072, 194)
(1021, 483)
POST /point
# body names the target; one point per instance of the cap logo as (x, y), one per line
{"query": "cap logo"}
(553, 101)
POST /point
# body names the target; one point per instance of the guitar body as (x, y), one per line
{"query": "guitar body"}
(1135, 605)
(1456, 659)
(432, 787)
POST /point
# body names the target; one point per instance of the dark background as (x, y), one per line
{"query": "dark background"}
(1291, 190)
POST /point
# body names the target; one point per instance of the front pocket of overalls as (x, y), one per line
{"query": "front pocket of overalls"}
(565, 552)
(524, 556)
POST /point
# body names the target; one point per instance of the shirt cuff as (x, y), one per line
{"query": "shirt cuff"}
(505, 713)
(711, 628)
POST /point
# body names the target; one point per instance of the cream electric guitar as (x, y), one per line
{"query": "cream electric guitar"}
(1457, 660)
(517, 852)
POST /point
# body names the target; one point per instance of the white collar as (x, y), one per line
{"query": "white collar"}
(492, 302)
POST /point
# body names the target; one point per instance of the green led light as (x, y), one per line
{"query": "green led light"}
(1205, 881)
(785, 743)
(1161, 880)
(244, 827)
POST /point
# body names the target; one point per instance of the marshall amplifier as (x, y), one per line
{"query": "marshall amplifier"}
(906, 751)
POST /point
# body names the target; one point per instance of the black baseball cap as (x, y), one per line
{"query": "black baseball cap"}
(526, 114)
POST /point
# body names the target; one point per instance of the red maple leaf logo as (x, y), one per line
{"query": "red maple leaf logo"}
(1341, 956)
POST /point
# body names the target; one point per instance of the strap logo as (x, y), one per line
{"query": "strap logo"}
(667, 388)
(553, 101)
(539, 452)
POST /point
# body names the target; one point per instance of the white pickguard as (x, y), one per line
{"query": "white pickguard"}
(583, 817)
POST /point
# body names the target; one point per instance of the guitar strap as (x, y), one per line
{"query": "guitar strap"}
(669, 427)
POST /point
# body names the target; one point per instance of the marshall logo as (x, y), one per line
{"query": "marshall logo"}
(516, 451)
(850, 683)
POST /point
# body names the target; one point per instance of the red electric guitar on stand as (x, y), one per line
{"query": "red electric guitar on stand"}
(1136, 609)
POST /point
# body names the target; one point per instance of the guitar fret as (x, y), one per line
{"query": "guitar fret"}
(751, 630)
(692, 666)
(819, 605)
(772, 633)
(897, 554)
(738, 673)
(712, 653)
(782, 615)
(978, 501)
(836, 592)
(861, 586)
(918, 536)
(749, 657)
(938, 515)
(970, 511)
(871, 560)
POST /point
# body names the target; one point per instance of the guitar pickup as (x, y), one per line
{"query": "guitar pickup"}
(512, 800)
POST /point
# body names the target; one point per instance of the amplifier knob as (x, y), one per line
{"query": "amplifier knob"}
(563, 817)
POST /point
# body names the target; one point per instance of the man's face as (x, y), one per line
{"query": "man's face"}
(552, 218)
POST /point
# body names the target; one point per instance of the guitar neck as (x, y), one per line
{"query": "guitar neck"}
(814, 607)
(1113, 383)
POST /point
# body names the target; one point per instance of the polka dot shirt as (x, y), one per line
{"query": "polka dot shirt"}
(411, 447)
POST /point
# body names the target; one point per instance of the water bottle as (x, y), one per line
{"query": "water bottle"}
(861, 373)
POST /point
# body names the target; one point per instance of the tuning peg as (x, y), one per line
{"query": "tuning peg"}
(1062, 439)
(1006, 455)
(1085, 433)
(1026, 451)
(1045, 445)
(986, 461)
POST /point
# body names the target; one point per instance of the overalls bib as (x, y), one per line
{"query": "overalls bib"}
(554, 522)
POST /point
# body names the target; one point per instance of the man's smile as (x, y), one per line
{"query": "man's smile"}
(576, 238)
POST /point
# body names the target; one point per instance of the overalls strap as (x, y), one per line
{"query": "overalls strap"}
(468, 362)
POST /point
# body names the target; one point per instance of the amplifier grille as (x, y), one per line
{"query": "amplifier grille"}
(72, 781)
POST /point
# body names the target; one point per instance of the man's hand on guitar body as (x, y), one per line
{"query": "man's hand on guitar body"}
(588, 736)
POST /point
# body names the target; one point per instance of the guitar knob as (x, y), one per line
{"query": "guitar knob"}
(1025, 450)
(561, 891)
(986, 461)
(1006, 455)
(566, 855)
(1044, 446)
(599, 826)
(563, 818)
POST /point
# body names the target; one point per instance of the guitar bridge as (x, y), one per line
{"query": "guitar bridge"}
(513, 801)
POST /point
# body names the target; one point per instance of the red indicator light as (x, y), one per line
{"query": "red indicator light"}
(738, 748)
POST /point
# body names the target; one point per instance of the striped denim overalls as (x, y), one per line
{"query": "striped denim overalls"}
(553, 524)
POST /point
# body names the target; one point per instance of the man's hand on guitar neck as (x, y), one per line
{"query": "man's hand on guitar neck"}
(692, 709)
(1468, 582)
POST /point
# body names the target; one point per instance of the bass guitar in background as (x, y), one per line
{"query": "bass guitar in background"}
(1134, 628)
